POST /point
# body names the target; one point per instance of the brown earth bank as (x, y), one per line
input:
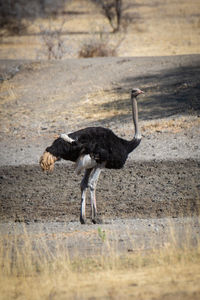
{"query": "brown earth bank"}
(146, 189)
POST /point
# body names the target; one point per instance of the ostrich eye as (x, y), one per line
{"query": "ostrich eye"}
(134, 91)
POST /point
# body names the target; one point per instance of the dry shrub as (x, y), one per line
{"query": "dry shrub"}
(53, 44)
(99, 45)
(96, 49)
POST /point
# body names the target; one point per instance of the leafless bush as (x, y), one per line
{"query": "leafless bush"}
(52, 42)
(96, 49)
(97, 46)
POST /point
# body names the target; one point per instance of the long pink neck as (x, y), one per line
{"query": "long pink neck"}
(137, 136)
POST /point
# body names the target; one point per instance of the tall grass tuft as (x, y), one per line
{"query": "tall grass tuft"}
(33, 270)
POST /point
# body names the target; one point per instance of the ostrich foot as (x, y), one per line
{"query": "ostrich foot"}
(82, 220)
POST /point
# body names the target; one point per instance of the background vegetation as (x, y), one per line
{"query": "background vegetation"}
(65, 28)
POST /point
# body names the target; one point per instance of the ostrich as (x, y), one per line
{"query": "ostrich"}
(92, 149)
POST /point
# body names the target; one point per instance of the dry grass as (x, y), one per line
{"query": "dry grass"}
(95, 49)
(8, 92)
(170, 272)
(171, 125)
(107, 104)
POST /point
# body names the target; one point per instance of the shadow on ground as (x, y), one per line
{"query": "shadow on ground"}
(167, 93)
(141, 190)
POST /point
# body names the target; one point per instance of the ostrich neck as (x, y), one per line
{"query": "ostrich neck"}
(137, 136)
(135, 118)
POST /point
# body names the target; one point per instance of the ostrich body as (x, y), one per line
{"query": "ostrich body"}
(93, 149)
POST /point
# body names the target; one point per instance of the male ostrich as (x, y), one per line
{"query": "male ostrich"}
(93, 149)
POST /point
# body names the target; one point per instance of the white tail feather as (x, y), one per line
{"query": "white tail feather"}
(66, 138)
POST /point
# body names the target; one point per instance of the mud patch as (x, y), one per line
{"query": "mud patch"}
(151, 189)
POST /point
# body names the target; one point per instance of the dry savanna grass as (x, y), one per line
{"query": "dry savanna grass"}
(35, 272)
(8, 92)
(172, 125)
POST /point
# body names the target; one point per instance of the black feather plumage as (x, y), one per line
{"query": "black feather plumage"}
(103, 146)
(101, 143)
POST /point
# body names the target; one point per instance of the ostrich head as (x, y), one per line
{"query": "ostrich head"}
(47, 161)
(136, 92)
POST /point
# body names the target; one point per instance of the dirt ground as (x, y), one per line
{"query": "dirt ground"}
(140, 190)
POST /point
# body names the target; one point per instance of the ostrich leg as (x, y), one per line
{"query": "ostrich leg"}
(92, 185)
(84, 185)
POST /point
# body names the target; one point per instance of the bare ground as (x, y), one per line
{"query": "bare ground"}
(151, 189)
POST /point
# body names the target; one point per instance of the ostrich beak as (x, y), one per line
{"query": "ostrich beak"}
(141, 92)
